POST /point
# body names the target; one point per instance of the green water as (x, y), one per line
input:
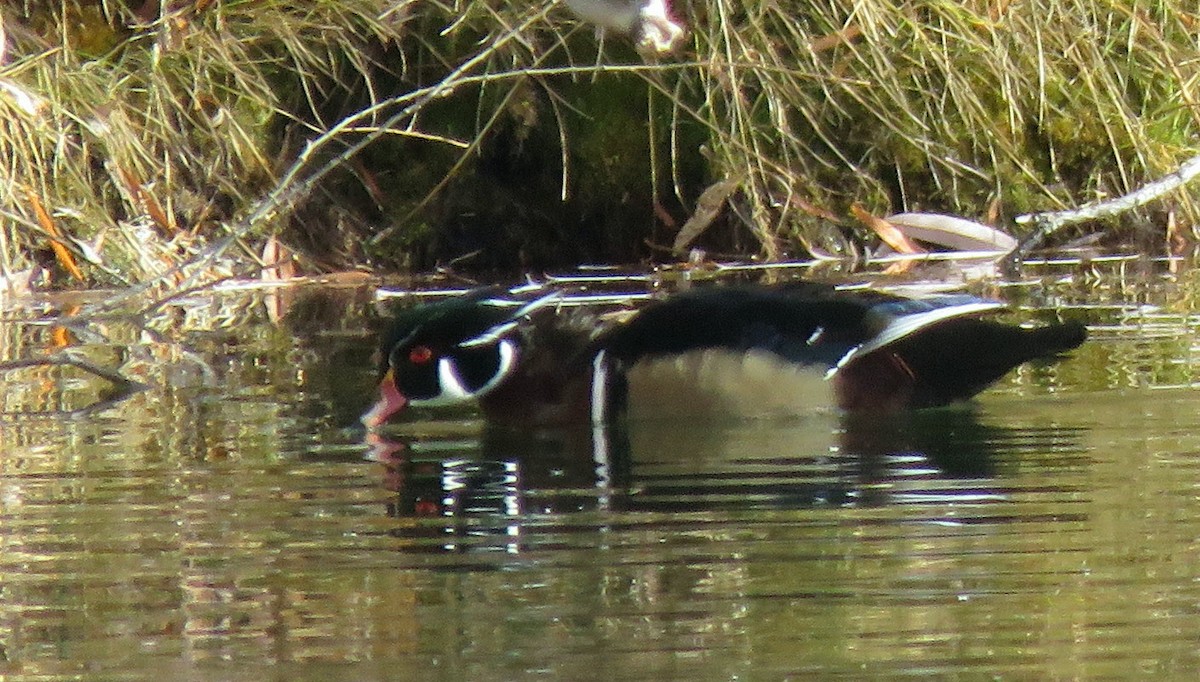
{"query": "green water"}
(230, 523)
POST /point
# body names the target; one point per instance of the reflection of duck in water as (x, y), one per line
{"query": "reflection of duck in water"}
(489, 489)
(531, 363)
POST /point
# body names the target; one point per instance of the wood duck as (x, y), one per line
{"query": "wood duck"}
(531, 361)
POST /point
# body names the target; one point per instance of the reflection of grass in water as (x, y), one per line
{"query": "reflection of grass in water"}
(1125, 350)
(146, 137)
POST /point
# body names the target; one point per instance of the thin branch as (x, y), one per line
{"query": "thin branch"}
(1046, 224)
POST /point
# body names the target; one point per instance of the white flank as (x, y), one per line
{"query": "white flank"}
(600, 456)
(599, 387)
(600, 444)
(723, 384)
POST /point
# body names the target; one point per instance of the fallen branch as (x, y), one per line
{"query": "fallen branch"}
(1046, 224)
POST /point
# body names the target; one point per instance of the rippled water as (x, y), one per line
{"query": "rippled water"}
(229, 522)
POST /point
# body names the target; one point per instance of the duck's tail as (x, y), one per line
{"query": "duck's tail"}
(946, 362)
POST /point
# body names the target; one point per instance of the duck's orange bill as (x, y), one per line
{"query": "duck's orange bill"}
(390, 402)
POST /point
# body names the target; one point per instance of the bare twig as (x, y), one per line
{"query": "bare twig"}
(1046, 224)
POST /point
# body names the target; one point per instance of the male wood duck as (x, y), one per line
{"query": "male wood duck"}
(529, 361)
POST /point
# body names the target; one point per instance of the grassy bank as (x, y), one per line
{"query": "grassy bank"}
(399, 135)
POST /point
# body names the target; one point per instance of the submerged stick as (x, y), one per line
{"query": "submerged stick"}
(122, 387)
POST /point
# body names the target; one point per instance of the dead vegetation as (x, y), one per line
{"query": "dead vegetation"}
(169, 142)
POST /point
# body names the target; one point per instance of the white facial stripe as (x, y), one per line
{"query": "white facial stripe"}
(503, 328)
(490, 335)
(524, 308)
(455, 392)
(508, 355)
(451, 384)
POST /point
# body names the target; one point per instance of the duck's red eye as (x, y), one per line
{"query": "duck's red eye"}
(420, 355)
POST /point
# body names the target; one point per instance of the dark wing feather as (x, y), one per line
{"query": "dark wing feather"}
(799, 328)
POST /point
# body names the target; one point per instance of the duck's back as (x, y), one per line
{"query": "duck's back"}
(813, 346)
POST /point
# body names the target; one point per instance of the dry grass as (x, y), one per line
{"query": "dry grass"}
(150, 139)
(150, 134)
(982, 109)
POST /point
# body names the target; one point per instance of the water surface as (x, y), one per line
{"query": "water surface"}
(229, 522)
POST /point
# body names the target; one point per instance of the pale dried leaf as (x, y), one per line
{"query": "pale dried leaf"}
(708, 207)
(888, 232)
(279, 263)
(952, 232)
